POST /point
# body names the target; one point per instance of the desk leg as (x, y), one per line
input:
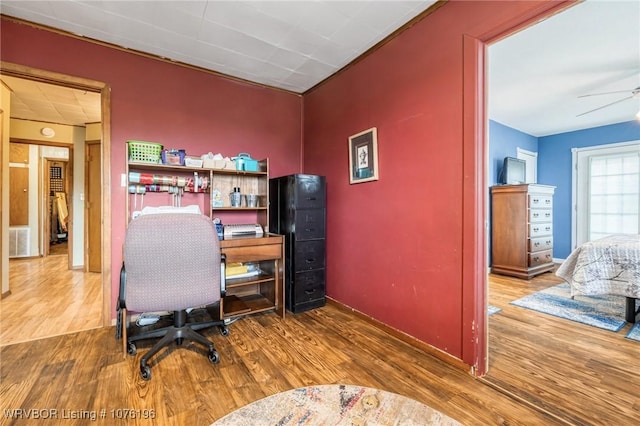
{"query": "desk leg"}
(630, 311)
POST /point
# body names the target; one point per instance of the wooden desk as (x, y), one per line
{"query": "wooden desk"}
(259, 293)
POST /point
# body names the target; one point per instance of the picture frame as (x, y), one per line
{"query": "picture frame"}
(363, 156)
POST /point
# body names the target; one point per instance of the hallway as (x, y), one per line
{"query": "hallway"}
(47, 299)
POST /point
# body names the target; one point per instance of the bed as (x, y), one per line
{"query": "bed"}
(610, 265)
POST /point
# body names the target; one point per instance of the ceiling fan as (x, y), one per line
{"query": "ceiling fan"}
(635, 93)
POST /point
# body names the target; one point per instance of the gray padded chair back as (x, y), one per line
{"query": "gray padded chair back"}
(172, 263)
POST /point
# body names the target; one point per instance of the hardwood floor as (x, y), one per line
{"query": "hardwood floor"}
(574, 374)
(579, 373)
(48, 299)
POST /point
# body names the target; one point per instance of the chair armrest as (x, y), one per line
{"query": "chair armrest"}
(223, 279)
(123, 285)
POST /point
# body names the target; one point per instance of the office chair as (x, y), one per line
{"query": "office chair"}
(172, 262)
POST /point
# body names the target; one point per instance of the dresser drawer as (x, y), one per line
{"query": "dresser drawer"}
(540, 258)
(308, 255)
(540, 229)
(540, 215)
(540, 201)
(308, 286)
(540, 243)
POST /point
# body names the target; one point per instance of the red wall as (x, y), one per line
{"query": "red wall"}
(395, 246)
(156, 101)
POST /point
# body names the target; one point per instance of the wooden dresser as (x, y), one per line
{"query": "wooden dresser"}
(521, 229)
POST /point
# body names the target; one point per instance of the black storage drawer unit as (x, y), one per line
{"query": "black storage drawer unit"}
(309, 224)
(309, 255)
(297, 211)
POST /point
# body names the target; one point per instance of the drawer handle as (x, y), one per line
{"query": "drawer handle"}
(536, 215)
(549, 242)
(548, 256)
(309, 291)
(309, 229)
(536, 258)
(548, 228)
(535, 201)
(547, 215)
(311, 198)
(309, 260)
(536, 229)
(536, 244)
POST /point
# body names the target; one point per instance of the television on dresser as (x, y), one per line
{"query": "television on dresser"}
(513, 171)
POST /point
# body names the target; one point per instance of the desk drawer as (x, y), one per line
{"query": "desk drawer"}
(253, 253)
(540, 258)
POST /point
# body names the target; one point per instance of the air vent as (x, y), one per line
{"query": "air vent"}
(19, 242)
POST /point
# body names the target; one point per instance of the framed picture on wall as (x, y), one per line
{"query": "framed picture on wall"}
(363, 156)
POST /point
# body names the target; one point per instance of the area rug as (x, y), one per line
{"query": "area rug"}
(335, 405)
(634, 333)
(492, 310)
(606, 312)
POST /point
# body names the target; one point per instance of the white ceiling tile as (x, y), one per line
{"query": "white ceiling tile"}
(249, 20)
(168, 17)
(321, 19)
(302, 41)
(214, 33)
(316, 68)
(334, 54)
(287, 59)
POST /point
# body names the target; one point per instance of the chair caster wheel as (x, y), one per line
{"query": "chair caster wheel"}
(145, 372)
(224, 331)
(131, 348)
(214, 358)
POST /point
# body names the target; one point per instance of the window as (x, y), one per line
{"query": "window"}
(608, 192)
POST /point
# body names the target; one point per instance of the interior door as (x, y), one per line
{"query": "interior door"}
(18, 184)
(93, 206)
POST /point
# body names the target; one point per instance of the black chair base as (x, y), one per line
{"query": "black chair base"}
(178, 332)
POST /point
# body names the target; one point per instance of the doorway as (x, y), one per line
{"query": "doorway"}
(55, 212)
(103, 89)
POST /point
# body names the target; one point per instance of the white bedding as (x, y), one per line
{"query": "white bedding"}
(610, 265)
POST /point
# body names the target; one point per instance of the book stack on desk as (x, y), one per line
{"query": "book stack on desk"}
(241, 270)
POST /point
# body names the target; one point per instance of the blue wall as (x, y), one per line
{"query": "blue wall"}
(503, 142)
(554, 168)
(554, 164)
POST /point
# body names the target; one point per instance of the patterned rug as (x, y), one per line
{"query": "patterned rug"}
(634, 333)
(604, 311)
(335, 405)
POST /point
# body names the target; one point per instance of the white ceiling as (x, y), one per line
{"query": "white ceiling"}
(535, 76)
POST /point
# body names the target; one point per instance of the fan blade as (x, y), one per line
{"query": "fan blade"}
(604, 106)
(604, 93)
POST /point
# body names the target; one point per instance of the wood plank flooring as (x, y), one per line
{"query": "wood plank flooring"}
(543, 370)
(580, 373)
(48, 299)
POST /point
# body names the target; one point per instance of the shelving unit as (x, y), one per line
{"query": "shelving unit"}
(244, 296)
